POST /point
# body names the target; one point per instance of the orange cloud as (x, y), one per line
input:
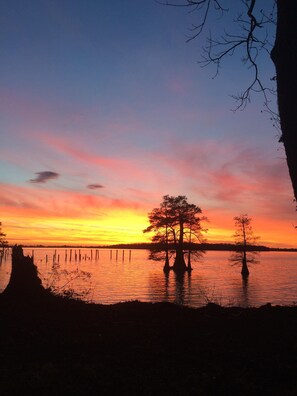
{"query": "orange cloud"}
(31, 215)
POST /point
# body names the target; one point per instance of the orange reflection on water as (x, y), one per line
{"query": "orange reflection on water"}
(121, 275)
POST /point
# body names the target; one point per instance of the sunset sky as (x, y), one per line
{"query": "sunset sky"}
(104, 109)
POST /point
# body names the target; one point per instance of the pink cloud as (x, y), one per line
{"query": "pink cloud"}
(140, 171)
(229, 175)
(29, 201)
(120, 166)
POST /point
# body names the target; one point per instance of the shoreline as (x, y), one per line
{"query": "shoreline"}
(51, 345)
(210, 247)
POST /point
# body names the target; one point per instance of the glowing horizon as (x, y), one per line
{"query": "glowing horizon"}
(115, 223)
(99, 121)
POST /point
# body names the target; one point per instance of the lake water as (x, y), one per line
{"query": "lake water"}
(125, 275)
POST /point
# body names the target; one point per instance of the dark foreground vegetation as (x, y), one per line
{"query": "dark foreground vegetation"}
(55, 346)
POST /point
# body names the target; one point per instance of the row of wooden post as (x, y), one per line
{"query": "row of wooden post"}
(77, 256)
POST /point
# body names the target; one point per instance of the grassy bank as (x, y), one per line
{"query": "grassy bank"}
(55, 346)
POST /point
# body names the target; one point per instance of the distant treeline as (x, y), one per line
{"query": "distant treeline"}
(200, 246)
(154, 246)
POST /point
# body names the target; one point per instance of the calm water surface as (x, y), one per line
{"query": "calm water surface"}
(126, 276)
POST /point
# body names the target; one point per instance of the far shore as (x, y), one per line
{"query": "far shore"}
(150, 246)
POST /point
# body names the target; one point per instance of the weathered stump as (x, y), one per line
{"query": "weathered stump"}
(24, 280)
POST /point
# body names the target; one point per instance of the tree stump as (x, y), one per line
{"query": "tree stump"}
(24, 280)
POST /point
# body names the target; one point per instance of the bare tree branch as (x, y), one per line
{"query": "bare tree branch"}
(252, 40)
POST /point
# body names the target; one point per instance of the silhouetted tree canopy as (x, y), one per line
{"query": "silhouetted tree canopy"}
(177, 224)
(268, 26)
(244, 237)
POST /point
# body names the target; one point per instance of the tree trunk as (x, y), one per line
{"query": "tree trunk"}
(189, 267)
(166, 267)
(179, 262)
(179, 265)
(284, 56)
(189, 253)
(189, 261)
(244, 269)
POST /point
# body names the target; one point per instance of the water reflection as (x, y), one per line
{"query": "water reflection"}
(166, 286)
(169, 287)
(179, 288)
(245, 291)
(118, 277)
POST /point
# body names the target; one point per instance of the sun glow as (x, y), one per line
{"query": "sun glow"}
(114, 228)
(38, 215)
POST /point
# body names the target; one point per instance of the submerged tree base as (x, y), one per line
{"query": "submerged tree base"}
(244, 270)
(177, 269)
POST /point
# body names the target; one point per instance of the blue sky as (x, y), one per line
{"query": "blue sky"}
(109, 93)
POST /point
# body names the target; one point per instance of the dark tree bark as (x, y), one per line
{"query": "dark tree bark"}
(179, 265)
(189, 261)
(244, 269)
(284, 56)
(179, 262)
(166, 267)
